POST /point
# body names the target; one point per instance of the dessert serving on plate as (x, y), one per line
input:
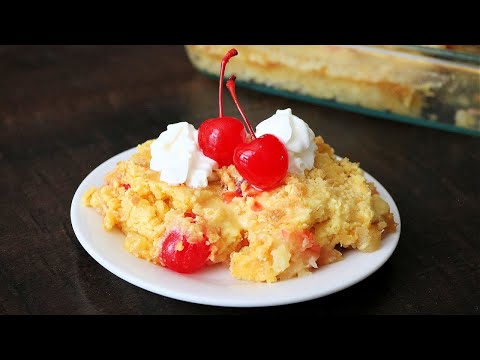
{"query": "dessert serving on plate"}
(270, 204)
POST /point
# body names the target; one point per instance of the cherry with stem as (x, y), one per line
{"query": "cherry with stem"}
(218, 137)
(263, 161)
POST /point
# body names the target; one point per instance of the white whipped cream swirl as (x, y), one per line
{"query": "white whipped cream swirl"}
(297, 137)
(178, 158)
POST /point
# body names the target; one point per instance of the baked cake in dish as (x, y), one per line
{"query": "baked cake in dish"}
(180, 209)
(345, 74)
(399, 79)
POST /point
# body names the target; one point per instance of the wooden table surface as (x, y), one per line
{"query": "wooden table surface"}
(66, 109)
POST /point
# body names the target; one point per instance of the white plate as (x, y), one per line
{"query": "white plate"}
(214, 285)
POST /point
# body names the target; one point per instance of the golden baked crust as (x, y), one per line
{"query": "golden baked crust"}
(263, 236)
(369, 79)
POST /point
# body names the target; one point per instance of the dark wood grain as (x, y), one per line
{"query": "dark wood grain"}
(66, 109)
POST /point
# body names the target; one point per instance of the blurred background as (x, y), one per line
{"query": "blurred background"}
(429, 85)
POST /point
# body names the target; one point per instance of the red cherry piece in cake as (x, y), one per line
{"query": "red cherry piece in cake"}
(263, 161)
(256, 206)
(189, 214)
(229, 196)
(179, 255)
(218, 137)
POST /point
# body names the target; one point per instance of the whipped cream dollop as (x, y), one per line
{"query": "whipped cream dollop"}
(297, 137)
(178, 158)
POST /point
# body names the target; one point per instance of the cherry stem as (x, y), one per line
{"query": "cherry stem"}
(231, 53)
(231, 88)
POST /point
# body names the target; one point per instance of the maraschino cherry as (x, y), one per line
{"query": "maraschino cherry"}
(218, 137)
(179, 255)
(263, 161)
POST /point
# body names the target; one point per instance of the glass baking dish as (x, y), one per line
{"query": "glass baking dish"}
(437, 86)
